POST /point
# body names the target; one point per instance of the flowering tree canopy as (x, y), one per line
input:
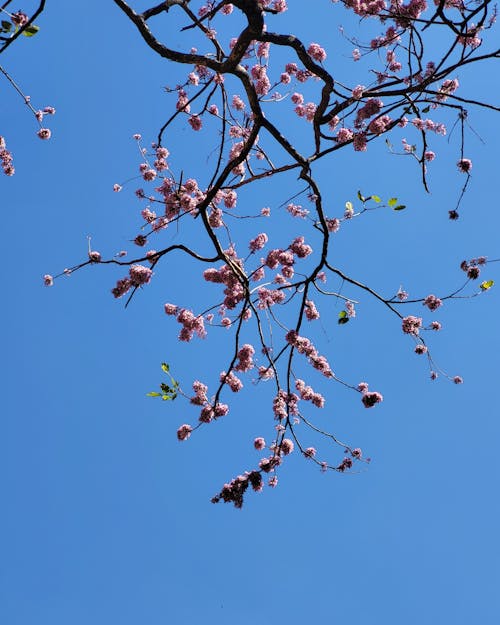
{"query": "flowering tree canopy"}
(240, 70)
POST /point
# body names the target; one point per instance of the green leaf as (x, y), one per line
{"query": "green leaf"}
(30, 31)
(6, 26)
(393, 201)
(165, 367)
(376, 198)
(400, 207)
(343, 318)
(349, 206)
(361, 197)
(169, 397)
(487, 284)
(153, 394)
(426, 109)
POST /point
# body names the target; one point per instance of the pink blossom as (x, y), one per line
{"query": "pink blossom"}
(311, 310)
(238, 103)
(370, 398)
(464, 165)
(171, 309)
(195, 122)
(379, 125)
(316, 52)
(432, 302)
(457, 379)
(233, 381)
(221, 410)
(297, 211)
(420, 349)
(140, 275)
(333, 225)
(350, 310)
(259, 443)
(122, 287)
(19, 18)
(184, 432)
(411, 325)
(44, 133)
(344, 135)
(360, 143)
(286, 446)
(401, 295)
(473, 273)
(48, 280)
(344, 465)
(266, 373)
(117, 188)
(259, 242)
(357, 92)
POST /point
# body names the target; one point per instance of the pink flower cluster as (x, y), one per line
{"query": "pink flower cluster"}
(345, 464)
(307, 394)
(184, 432)
(432, 302)
(405, 13)
(304, 346)
(297, 211)
(311, 311)
(233, 381)
(369, 398)
(472, 267)
(372, 107)
(6, 158)
(208, 413)
(285, 404)
(200, 397)
(464, 165)
(259, 242)
(316, 52)
(412, 325)
(234, 291)
(245, 358)
(366, 8)
(191, 324)
(19, 18)
(234, 491)
(447, 88)
(138, 275)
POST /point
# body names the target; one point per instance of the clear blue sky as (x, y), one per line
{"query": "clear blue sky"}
(106, 517)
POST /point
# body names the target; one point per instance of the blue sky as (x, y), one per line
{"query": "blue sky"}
(107, 518)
